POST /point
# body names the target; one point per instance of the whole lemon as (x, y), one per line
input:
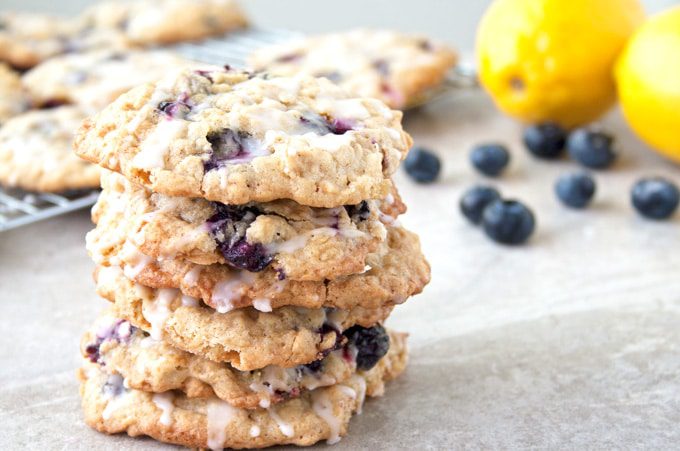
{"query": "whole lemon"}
(552, 60)
(648, 81)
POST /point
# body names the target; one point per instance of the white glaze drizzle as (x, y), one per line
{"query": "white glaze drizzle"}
(263, 304)
(286, 429)
(255, 431)
(152, 151)
(361, 392)
(323, 407)
(164, 401)
(227, 291)
(219, 415)
(191, 277)
(157, 312)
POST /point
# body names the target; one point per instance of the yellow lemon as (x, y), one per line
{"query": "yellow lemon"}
(648, 80)
(552, 60)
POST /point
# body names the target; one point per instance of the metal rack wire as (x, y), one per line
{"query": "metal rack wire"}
(19, 207)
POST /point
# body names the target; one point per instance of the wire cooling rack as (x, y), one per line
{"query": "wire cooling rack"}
(19, 207)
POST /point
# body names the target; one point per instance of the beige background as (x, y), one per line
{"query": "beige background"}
(451, 20)
(569, 342)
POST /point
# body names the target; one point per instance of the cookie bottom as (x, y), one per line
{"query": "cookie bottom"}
(171, 417)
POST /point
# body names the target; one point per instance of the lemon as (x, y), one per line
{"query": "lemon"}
(552, 60)
(648, 81)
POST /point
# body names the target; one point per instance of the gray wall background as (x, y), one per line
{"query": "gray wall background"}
(451, 20)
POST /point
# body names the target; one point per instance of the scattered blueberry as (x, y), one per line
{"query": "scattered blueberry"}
(474, 201)
(228, 227)
(371, 343)
(592, 149)
(177, 108)
(508, 221)
(490, 159)
(655, 198)
(322, 126)
(546, 140)
(422, 165)
(575, 190)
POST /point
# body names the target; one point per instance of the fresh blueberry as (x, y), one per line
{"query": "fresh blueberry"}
(545, 140)
(508, 221)
(422, 165)
(371, 343)
(592, 149)
(474, 201)
(228, 227)
(575, 190)
(490, 159)
(313, 367)
(655, 198)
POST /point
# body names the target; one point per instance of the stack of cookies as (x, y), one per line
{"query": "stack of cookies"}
(247, 238)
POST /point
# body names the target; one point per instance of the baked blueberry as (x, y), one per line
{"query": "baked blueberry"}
(474, 201)
(508, 221)
(371, 344)
(422, 165)
(576, 189)
(546, 140)
(228, 147)
(228, 227)
(655, 198)
(592, 149)
(359, 212)
(490, 159)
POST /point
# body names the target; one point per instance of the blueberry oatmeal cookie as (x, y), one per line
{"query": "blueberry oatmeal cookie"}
(13, 98)
(400, 271)
(151, 22)
(36, 152)
(396, 68)
(246, 338)
(301, 243)
(111, 406)
(94, 79)
(151, 365)
(27, 39)
(235, 137)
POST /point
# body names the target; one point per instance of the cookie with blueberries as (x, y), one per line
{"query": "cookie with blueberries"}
(397, 68)
(119, 347)
(233, 137)
(303, 418)
(36, 152)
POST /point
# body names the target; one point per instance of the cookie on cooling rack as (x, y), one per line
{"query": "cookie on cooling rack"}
(150, 22)
(26, 39)
(13, 98)
(397, 68)
(36, 152)
(94, 79)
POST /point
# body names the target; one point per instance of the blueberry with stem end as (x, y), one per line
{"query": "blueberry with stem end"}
(490, 159)
(475, 200)
(422, 165)
(546, 140)
(576, 189)
(508, 221)
(655, 198)
(590, 148)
